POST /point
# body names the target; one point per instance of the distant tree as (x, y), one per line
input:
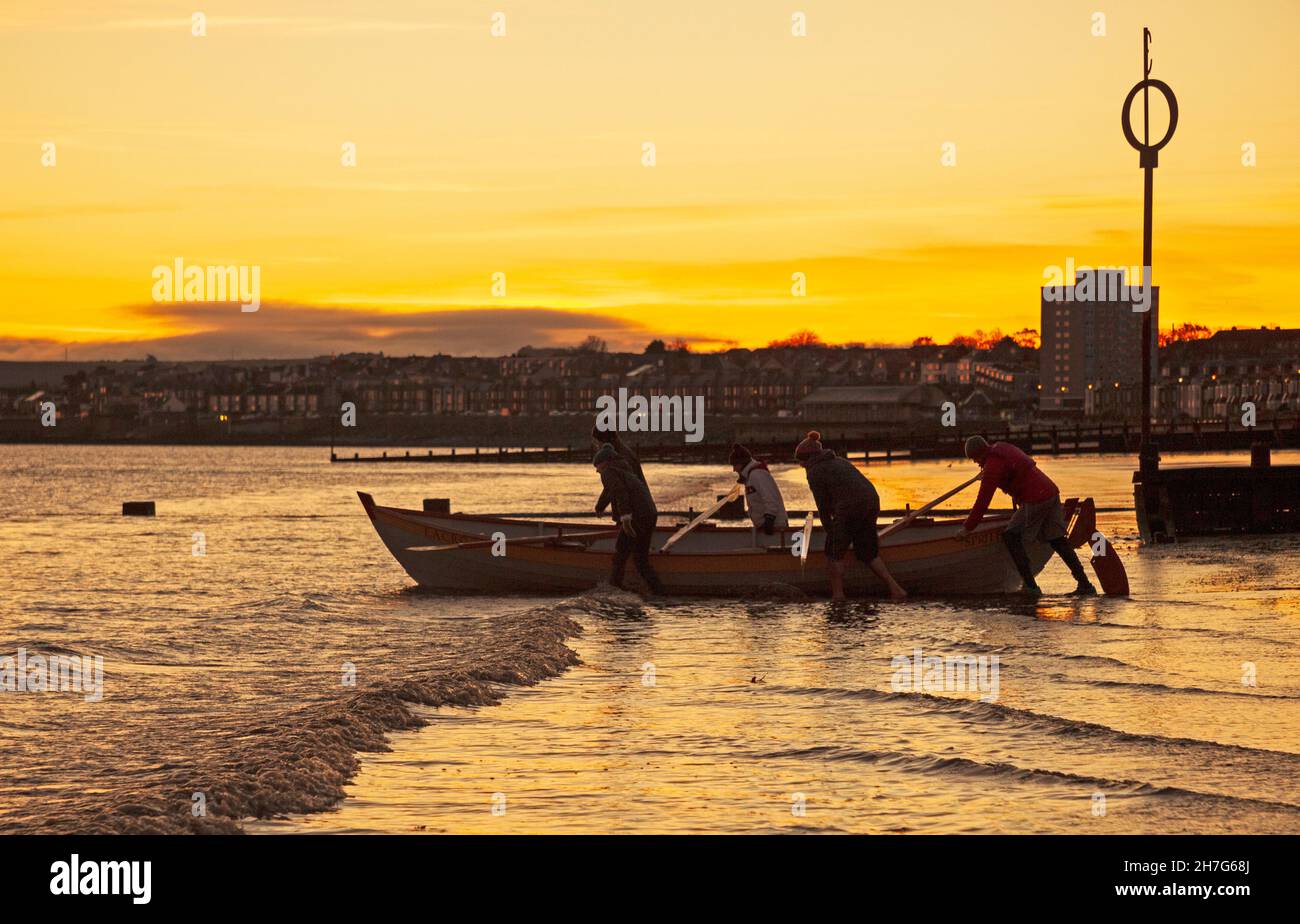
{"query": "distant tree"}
(978, 340)
(592, 344)
(1028, 338)
(923, 341)
(655, 346)
(800, 338)
(1183, 333)
(679, 346)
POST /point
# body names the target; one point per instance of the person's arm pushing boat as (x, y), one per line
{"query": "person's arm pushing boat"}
(992, 473)
(1038, 516)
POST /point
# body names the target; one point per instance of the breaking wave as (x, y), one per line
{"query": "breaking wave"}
(301, 760)
(1003, 771)
(995, 713)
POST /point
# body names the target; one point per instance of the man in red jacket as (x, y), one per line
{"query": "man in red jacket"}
(1039, 514)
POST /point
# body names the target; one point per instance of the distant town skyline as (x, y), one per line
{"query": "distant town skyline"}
(782, 164)
(974, 339)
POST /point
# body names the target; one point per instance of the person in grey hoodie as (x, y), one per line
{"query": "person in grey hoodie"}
(848, 505)
(762, 497)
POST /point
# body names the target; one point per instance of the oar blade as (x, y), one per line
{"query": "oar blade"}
(1109, 569)
(1083, 524)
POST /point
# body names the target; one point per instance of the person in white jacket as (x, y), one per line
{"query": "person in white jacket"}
(762, 496)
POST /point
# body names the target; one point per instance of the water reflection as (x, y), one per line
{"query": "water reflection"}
(752, 700)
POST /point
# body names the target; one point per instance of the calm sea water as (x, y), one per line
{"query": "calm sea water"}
(291, 679)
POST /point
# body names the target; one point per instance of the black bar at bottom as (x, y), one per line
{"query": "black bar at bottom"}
(484, 874)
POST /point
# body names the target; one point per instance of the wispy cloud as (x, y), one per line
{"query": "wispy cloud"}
(88, 21)
(283, 24)
(291, 331)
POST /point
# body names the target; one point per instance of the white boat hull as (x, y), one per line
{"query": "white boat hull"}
(927, 558)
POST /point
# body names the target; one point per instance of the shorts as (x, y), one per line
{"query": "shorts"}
(856, 529)
(1041, 520)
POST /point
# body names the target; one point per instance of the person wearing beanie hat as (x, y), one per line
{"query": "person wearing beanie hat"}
(635, 513)
(1039, 514)
(739, 456)
(849, 506)
(604, 454)
(763, 499)
(599, 438)
(809, 447)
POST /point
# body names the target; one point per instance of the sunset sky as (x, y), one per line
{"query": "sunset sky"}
(522, 154)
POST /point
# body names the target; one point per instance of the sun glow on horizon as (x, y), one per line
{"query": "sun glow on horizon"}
(521, 155)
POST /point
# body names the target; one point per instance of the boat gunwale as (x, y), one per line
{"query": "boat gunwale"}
(411, 518)
(927, 522)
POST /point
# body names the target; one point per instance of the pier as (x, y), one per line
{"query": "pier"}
(1078, 438)
(1216, 499)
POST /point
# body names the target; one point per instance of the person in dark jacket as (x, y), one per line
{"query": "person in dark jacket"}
(635, 513)
(848, 506)
(599, 438)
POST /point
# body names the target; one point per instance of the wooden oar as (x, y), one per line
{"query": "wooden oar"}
(807, 539)
(518, 540)
(900, 524)
(731, 495)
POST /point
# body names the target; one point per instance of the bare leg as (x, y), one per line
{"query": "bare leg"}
(836, 569)
(895, 591)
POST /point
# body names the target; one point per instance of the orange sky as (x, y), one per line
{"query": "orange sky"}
(522, 154)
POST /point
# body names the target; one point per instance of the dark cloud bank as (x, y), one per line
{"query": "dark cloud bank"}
(281, 330)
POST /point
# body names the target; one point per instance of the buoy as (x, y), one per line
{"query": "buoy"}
(138, 508)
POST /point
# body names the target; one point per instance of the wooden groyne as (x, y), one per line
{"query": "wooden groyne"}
(1122, 438)
(1208, 500)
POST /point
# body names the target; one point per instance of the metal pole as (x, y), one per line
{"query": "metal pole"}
(1147, 451)
(1150, 519)
(1148, 455)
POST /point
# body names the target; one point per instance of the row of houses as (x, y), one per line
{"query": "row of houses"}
(771, 382)
(887, 387)
(1215, 378)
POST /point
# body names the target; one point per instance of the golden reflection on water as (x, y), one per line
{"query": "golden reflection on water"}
(753, 702)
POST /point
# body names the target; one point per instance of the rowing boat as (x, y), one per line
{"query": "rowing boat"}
(928, 557)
